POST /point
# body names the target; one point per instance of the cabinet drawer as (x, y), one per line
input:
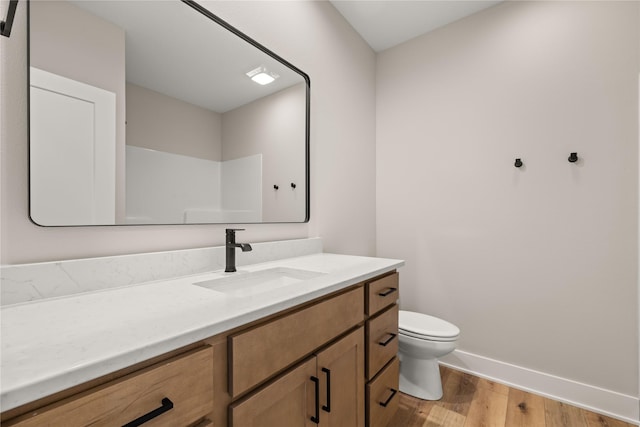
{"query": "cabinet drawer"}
(382, 340)
(382, 395)
(263, 351)
(382, 293)
(186, 380)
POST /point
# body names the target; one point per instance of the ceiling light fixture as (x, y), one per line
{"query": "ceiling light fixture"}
(262, 76)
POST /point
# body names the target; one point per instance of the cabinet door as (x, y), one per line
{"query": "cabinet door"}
(341, 373)
(288, 401)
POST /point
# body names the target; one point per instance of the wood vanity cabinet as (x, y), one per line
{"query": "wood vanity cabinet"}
(329, 362)
(382, 364)
(363, 368)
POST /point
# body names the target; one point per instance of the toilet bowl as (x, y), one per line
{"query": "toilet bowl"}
(423, 339)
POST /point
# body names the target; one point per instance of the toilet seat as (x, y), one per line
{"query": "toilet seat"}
(423, 326)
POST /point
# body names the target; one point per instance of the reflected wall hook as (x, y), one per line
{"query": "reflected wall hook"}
(518, 163)
(5, 26)
(275, 187)
(573, 158)
(293, 185)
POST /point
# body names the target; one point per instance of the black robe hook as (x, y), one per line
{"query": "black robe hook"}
(573, 158)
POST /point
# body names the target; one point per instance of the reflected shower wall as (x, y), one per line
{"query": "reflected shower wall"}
(167, 188)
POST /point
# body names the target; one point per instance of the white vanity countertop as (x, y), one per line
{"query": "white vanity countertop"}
(53, 344)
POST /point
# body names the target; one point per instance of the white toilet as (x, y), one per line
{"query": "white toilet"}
(423, 339)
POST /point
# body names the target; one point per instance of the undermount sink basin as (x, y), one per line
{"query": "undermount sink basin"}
(258, 282)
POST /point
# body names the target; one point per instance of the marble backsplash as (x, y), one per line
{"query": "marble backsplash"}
(29, 282)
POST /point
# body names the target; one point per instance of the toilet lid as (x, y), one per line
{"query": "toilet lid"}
(422, 325)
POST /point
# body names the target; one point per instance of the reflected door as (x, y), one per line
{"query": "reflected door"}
(72, 153)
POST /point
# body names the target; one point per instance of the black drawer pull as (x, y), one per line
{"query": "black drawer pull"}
(386, 402)
(384, 343)
(327, 407)
(387, 292)
(316, 419)
(167, 405)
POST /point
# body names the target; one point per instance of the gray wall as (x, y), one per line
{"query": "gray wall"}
(538, 265)
(160, 122)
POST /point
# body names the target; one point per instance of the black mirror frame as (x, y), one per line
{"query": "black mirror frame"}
(244, 37)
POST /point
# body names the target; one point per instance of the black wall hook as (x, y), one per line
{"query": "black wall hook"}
(293, 185)
(275, 187)
(5, 26)
(518, 163)
(573, 158)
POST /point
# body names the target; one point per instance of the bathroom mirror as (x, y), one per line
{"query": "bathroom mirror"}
(154, 112)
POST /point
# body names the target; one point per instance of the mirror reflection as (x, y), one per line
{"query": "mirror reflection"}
(154, 113)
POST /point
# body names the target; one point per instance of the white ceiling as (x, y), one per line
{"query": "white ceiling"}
(202, 64)
(387, 23)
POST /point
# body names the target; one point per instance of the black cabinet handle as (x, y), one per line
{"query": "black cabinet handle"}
(167, 405)
(327, 407)
(386, 402)
(387, 292)
(316, 419)
(384, 343)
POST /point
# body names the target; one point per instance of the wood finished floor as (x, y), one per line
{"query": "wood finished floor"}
(469, 401)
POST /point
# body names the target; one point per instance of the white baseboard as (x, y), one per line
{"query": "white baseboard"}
(606, 402)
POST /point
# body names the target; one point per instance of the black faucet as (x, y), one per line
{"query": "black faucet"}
(231, 245)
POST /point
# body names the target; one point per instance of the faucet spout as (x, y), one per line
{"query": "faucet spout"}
(230, 249)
